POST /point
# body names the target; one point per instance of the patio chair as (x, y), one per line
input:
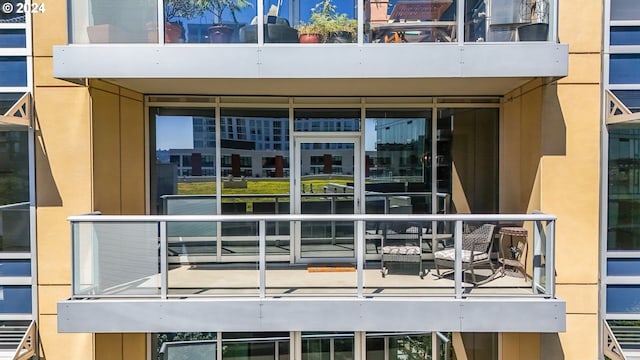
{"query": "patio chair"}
(402, 242)
(476, 251)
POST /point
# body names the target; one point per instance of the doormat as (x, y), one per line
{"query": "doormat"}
(332, 267)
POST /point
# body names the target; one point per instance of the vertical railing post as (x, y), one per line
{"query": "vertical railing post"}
(164, 277)
(360, 248)
(537, 255)
(262, 246)
(457, 266)
(74, 263)
(550, 259)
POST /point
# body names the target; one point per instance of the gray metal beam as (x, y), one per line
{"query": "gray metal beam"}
(438, 60)
(316, 314)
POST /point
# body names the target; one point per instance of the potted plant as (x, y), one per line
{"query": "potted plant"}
(331, 26)
(219, 32)
(309, 34)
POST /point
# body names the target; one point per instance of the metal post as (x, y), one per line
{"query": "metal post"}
(360, 250)
(457, 267)
(164, 279)
(550, 263)
(74, 264)
(537, 255)
(262, 245)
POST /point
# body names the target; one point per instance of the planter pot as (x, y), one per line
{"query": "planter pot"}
(309, 38)
(220, 33)
(172, 33)
(533, 32)
(341, 37)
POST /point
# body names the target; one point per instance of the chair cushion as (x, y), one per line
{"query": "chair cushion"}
(401, 250)
(450, 254)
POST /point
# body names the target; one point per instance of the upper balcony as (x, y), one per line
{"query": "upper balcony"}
(342, 272)
(340, 39)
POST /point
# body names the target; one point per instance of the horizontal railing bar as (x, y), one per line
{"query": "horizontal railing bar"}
(14, 205)
(367, 193)
(312, 217)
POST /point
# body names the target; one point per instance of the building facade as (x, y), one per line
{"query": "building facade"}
(214, 187)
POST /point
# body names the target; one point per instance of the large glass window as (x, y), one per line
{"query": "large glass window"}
(622, 69)
(623, 299)
(625, 35)
(625, 10)
(624, 188)
(15, 299)
(13, 71)
(397, 159)
(14, 190)
(400, 158)
(623, 267)
(254, 146)
(12, 38)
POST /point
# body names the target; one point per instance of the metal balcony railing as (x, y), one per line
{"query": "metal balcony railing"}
(128, 256)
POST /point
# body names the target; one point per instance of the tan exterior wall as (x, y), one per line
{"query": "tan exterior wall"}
(550, 160)
(65, 177)
(120, 346)
(521, 346)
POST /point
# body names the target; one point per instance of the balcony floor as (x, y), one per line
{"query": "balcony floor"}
(318, 279)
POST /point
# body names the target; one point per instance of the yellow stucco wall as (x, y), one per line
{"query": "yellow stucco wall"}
(550, 153)
(521, 346)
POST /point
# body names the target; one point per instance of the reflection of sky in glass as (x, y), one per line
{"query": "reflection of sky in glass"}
(370, 135)
(174, 132)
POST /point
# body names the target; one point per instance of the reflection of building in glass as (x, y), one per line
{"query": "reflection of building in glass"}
(401, 150)
(258, 147)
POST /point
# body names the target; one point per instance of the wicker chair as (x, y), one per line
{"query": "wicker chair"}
(476, 251)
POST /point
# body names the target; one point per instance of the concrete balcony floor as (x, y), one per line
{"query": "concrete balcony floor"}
(320, 279)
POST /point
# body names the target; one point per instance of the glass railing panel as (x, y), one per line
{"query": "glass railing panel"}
(113, 21)
(116, 258)
(410, 21)
(310, 21)
(210, 21)
(405, 252)
(507, 20)
(404, 256)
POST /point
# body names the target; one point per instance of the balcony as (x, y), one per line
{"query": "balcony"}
(391, 40)
(267, 272)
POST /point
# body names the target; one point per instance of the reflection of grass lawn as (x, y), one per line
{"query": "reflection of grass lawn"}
(254, 187)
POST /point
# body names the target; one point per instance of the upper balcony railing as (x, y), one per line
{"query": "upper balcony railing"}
(311, 21)
(129, 256)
